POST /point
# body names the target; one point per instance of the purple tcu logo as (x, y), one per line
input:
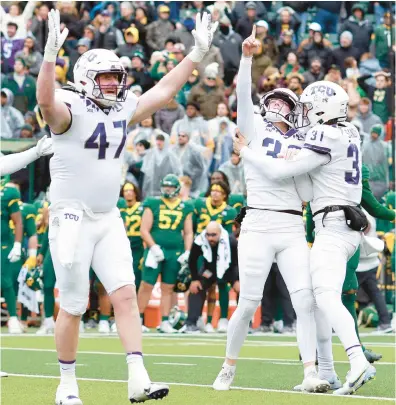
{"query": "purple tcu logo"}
(72, 216)
(322, 89)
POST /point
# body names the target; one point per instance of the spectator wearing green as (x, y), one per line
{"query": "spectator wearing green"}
(23, 87)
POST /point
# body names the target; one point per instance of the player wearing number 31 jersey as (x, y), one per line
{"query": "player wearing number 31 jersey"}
(331, 156)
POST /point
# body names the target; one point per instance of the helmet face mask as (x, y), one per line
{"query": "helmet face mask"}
(90, 66)
(99, 90)
(277, 106)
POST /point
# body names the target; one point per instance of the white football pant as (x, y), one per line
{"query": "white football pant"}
(266, 236)
(102, 244)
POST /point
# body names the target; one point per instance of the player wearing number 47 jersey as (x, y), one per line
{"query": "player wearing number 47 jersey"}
(88, 122)
(331, 156)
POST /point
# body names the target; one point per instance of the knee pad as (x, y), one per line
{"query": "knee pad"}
(303, 300)
(246, 308)
(73, 305)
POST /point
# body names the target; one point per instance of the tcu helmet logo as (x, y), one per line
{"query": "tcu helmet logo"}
(72, 216)
(323, 90)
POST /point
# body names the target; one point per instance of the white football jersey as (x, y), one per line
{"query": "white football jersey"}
(263, 192)
(339, 182)
(88, 157)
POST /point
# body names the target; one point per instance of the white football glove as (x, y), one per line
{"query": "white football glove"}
(44, 146)
(183, 258)
(203, 36)
(55, 37)
(15, 253)
(157, 253)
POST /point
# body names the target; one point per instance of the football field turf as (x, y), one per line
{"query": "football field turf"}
(266, 372)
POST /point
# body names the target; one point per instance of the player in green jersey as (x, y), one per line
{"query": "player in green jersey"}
(167, 231)
(29, 256)
(236, 201)
(11, 249)
(41, 219)
(49, 280)
(133, 218)
(214, 208)
(350, 287)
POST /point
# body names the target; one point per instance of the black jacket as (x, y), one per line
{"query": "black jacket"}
(315, 50)
(231, 275)
(340, 54)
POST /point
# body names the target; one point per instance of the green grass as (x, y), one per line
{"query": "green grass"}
(267, 363)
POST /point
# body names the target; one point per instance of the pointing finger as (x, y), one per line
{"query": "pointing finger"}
(254, 31)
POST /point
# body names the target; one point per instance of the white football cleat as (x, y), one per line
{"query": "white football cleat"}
(67, 394)
(225, 378)
(357, 380)
(145, 329)
(14, 326)
(113, 328)
(153, 391)
(334, 382)
(47, 327)
(166, 327)
(312, 383)
(104, 327)
(209, 328)
(140, 388)
(3, 374)
(82, 327)
(222, 325)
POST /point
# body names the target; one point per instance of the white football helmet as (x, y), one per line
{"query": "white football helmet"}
(321, 102)
(279, 115)
(92, 63)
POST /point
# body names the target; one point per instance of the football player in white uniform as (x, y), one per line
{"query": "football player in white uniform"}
(12, 163)
(88, 123)
(273, 227)
(331, 155)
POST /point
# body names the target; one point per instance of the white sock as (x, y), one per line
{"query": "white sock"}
(238, 326)
(308, 370)
(229, 367)
(324, 346)
(67, 370)
(356, 357)
(136, 369)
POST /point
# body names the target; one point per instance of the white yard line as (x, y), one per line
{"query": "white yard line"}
(193, 356)
(177, 364)
(205, 340)
(203, 386)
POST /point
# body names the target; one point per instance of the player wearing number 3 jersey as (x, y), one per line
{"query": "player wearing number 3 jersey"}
(331, 156)
(88, 122)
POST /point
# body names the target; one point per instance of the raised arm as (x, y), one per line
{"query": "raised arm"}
(55, 112)
(12, 163)
(245, 107)
(157, 97)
